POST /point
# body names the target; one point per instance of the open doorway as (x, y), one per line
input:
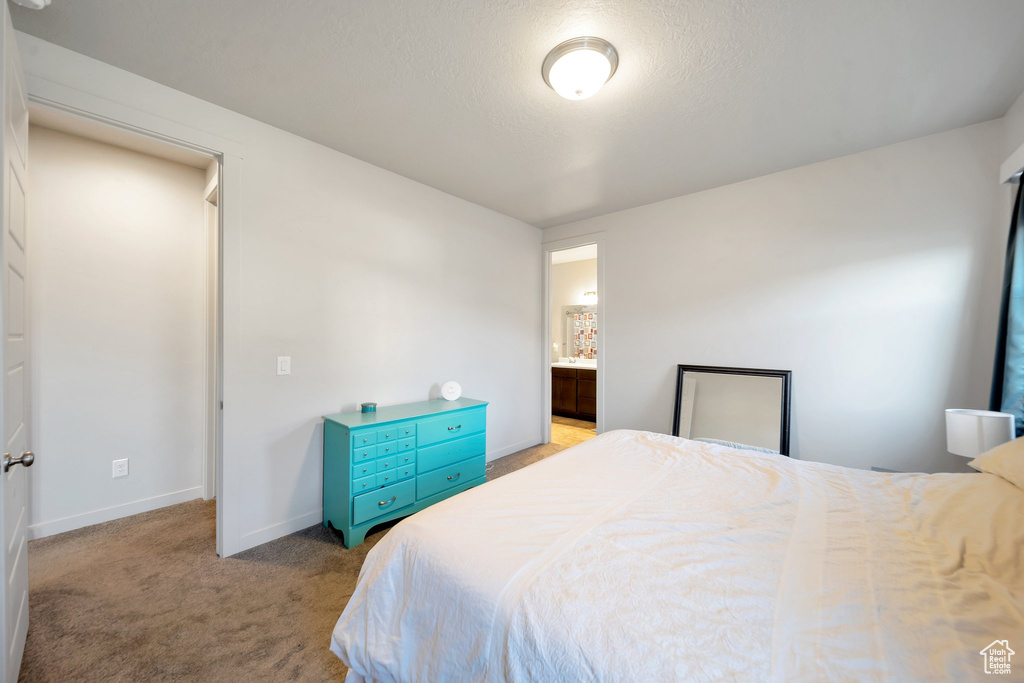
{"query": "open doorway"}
(124, 281)
(574, 343)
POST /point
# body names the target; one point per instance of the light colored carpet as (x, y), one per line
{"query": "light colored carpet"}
(146, 598)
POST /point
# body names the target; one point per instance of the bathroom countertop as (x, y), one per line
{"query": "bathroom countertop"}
(591, 365)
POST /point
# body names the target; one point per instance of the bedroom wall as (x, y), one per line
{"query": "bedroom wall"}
(378, 287)
(116, 301)
(869, 276)
(568, 282)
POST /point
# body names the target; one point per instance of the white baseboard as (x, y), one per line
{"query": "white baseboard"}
(514, 448)
(275, 531)
(59, 526)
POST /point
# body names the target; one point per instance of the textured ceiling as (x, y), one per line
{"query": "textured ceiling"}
(449, 92)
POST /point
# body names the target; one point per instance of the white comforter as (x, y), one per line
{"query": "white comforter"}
(639, 556)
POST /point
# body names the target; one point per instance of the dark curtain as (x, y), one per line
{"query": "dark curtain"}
(1008, 374)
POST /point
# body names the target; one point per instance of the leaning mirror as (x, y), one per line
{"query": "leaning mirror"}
(738, 407)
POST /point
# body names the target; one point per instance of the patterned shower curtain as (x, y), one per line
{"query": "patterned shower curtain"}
(1008, 374)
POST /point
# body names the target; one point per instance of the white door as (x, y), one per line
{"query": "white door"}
(14, 396)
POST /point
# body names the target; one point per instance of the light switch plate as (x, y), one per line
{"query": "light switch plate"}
(284, 365)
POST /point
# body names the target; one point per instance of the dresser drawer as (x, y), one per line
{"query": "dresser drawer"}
(379, 502)
(389, 434)
(385, 464)
(387, 449)
(451, 475)
(365, 438)
(363, 454)
(363, 469)
(385, 478)
(406, 472)
(406, 443)
(450, 427)
(452, 451)
(407, 458)
(364, 483)
(406, 429)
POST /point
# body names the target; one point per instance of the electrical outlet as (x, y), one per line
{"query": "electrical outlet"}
(284, 365)
(121, 468)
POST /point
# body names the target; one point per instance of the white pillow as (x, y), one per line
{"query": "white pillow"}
(1006, 461)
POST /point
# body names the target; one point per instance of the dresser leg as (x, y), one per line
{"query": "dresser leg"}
(354, 537)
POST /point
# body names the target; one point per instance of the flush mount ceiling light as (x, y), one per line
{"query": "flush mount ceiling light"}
(577, 68)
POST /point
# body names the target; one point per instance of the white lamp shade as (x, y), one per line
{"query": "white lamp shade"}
(972, 432)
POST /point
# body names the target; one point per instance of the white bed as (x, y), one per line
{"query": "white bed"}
(640, 556)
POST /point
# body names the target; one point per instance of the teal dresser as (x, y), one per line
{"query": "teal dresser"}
(396, 461)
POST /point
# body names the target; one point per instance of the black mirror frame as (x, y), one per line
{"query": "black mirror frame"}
(787, 382)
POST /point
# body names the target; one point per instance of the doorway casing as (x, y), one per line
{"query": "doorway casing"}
(211, 404)
(549, 248)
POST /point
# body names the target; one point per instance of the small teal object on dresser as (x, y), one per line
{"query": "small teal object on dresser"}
(398, 460)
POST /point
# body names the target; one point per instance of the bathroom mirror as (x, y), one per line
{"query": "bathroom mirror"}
(739, 407)
(579, 332)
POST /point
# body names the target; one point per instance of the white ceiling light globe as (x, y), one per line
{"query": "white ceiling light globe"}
(579, 74)
(577, 68)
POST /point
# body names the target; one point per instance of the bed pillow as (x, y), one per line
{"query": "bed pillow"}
(1006, 461)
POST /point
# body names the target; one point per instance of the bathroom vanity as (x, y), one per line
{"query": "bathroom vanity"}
(574, 390)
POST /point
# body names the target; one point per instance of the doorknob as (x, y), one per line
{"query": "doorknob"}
(26, 459)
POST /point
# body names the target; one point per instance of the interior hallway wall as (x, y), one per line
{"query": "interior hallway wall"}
(116, 273)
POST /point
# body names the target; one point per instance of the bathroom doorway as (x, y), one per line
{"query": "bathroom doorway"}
(574, 349)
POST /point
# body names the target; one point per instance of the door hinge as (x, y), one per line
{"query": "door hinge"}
(222, 405)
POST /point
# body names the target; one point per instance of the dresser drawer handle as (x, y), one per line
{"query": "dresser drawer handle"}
(455, 477)
(387, 502)
(452, 429)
